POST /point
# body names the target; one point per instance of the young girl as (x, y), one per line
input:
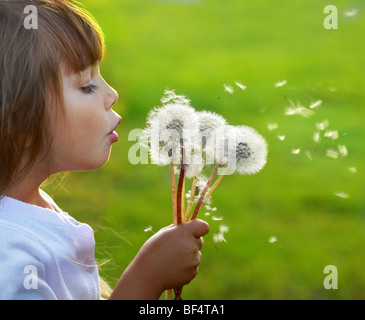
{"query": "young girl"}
(56, 115)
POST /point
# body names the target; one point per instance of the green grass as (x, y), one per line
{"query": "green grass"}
(195, 47)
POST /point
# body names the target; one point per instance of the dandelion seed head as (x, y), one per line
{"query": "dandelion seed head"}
(242, 149)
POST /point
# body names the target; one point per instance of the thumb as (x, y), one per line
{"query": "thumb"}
(199, 228)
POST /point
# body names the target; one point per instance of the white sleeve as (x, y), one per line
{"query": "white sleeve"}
(22, 267)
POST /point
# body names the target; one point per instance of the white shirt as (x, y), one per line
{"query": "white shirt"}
(45, 254)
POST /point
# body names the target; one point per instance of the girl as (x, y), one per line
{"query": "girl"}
(56, 115)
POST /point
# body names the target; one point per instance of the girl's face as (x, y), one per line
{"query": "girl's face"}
(82, 138)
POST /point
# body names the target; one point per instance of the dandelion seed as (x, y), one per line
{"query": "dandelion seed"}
(351, 13)
(342, 195)
(295, 151)
(148, 229)
(322, 125)
(332, 134)
(171, 97)
(332, 154)
(280, 84)
(309, 155)
(315, 104)
(207, 214)
(316, 137)
(298, 109)
(272, 126)
(272, 239)
(281, 137)
(214, 218)
(343, 151)
(218, 237)
(223, 229)
(352, 169)
(240, 85)
(228, 89)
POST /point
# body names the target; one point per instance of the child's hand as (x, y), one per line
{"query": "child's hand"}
(168, 260)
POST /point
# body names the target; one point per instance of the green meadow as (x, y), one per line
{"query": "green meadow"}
(303, 211)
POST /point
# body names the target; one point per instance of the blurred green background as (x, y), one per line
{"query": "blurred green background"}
(196, 47)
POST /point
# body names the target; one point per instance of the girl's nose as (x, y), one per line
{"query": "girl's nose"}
(112, 98)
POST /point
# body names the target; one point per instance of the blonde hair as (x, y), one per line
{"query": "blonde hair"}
(31, 78)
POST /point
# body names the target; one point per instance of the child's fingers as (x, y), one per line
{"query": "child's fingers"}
(199, 228)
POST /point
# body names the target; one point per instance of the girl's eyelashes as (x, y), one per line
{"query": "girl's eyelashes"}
(89, 89)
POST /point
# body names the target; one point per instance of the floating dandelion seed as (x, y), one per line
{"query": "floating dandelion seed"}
(351, 13)
(171, 97)
(342, 195)
(298, 109)
(322, 125)
(281, 137)
(332, 154)
(148, 229)
(228, 89)
(219, 237)
(316, 137)
(315, 104)
(295, 151)
(272, 126)
(214, 218)
(273, 239)
(309, 155)
(343, 151)
(352, 169)
(332, 134)
(280, 84)
(240, 85)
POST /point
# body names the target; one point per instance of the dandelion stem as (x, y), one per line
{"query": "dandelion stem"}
(180, 187)
(173, 192)
(215, 186)
(202, 196)
(192, 198)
